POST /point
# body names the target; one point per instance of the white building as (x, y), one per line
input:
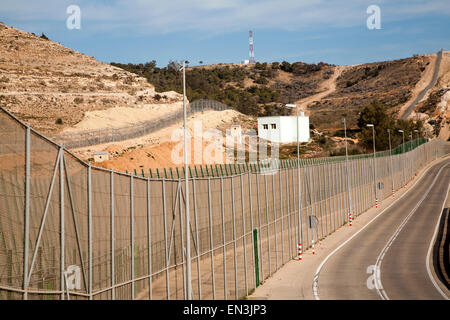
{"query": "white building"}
(100, 156)
(283, 129)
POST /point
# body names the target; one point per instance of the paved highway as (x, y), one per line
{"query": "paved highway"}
(389, 257)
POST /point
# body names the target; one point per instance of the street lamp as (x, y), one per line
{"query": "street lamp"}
(374, 164)
(417, 139)
(300, 227)
(410, 154)
(186, 177)
(348, 179)
(403, 147)
(390, 156)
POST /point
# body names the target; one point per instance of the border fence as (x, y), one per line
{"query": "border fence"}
(87, 138)
(70, 230)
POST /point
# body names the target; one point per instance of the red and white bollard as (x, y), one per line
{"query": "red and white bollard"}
(299, 251)
(350, 220)
(376, 202)
(313, 250)
(393, 193)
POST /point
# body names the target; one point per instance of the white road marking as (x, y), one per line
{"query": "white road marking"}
(430, 248)
(315, 286)
(378, 285)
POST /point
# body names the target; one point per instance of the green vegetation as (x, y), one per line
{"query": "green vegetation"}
(375, 113)
(229, 84)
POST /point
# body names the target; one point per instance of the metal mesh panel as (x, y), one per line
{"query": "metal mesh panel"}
(127, 235)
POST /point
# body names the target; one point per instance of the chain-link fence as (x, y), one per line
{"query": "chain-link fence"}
(94, 137)
(69, 230)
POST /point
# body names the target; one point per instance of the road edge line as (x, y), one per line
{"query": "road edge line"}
(430, 248)
(378, 284)
(315, 285)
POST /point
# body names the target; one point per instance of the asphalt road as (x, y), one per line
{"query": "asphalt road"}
(396, 243)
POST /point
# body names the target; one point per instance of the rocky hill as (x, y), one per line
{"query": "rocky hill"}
(390, 82)
(51, 87)
(262, 89)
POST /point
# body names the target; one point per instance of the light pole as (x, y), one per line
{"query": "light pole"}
(300, 227)
(348, 178)
(390, 156)
(417, 139)
(374, 165)
(410, 154)
(186, 177)
(403, 147)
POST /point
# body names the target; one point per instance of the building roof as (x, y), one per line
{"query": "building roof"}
(100, 153)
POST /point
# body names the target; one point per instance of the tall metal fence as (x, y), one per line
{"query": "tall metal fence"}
(69, 230)
(221, 170)
(94, 137)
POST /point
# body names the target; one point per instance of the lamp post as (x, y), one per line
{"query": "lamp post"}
(390, 157)
(374, 164)
(186, 177)
(348, 178)
(403, 147)
(410, 154)
(300, 227)
(417, 139)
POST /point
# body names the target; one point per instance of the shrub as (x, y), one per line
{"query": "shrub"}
(59, 121)
(78, 100)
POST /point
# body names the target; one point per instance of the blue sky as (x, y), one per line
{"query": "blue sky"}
(217, 30)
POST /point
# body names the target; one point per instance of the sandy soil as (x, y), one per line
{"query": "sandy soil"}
(155, 150)
(423, 82)
(123, 116)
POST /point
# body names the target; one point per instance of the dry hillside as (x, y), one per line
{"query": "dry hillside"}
(51, 87)
(390, 82)
(436, 107)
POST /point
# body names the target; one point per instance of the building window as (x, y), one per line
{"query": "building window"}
(265, 126)
(273, 125)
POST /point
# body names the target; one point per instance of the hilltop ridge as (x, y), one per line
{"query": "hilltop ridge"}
(51, 86)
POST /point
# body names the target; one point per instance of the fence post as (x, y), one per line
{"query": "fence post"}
(132, 235)
(250, 206)
(149, 238)
(113, 249)
(275, 220)
(243, 233)
(268, 224)
(194, 193)
(223, 240)
(259, 223)
(281, 212)
(211, 240)
(234, 238)
(165, 237)
(26, 245)
(62, 222)
(255, 250)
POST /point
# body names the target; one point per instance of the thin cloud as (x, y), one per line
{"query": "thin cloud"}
(218, 16)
